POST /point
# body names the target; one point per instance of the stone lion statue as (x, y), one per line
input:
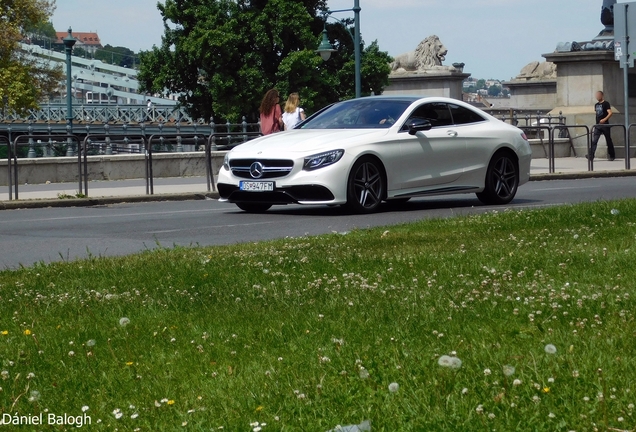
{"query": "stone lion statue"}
(428, 55)
(538, 71)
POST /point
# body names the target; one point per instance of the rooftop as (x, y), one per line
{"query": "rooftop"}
(86, 38)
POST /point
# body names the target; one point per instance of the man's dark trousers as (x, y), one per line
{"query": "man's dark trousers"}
(604, 130)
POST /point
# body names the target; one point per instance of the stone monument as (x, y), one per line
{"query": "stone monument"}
(535, 87)
(607, 19)
(422, 73)
(584, 68)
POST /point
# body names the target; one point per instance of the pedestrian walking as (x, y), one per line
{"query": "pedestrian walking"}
(271, 114)
(293, 114)
(603, 111)
(149, 109)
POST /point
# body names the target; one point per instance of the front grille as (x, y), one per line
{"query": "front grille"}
(272, 168)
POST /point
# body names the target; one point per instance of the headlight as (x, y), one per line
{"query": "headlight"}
(322, 160)
(226, 161)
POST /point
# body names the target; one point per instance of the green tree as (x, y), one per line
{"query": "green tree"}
(120, 56)
(494, 90)
(223, 55)
(24, 80)
(481, 84)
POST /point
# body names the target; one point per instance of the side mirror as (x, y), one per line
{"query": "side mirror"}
(419, 125)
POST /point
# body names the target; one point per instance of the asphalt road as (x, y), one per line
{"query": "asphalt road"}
(32, 235)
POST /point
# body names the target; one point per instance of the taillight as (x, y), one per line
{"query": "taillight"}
(523, 135)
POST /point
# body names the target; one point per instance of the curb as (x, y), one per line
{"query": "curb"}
(88, 202)
(582, 175)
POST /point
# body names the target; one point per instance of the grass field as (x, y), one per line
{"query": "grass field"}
(504, 321)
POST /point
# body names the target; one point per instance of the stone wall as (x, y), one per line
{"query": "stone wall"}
(116, 167)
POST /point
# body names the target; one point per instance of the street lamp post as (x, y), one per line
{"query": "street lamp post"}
(69, 42)
(325, 48)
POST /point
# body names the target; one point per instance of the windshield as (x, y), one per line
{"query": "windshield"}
(359, 114)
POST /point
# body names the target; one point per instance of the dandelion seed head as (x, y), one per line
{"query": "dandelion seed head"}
(508, 370)
(90, 343)
(550, 349)
(34, 396)
(516, 382)
(394, 387)
(487, 372)
(124, 321)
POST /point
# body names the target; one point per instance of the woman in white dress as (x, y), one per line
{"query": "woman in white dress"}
(293, 114)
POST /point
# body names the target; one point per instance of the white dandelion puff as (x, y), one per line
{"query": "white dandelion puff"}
(508, 370)
(34, 396)
(449, 362)
(487, 372)
(615, 212)
(394, 387)
(124, 321)
(550, 349)
(90, 343)
(516, 382)
(85, 408)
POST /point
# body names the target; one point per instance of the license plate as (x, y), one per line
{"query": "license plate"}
(256, 186)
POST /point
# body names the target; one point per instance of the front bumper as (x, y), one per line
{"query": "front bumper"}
(302, 194)
(322, 186)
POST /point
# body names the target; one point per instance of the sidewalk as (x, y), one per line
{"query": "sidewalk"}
(577, 165)
(196, 187)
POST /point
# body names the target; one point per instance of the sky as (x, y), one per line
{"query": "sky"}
(494, 38)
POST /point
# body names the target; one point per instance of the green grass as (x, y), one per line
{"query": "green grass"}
(279, 332)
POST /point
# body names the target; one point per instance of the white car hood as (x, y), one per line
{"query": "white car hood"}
(305, 141)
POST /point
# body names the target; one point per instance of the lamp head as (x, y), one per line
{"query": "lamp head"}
(325, 48)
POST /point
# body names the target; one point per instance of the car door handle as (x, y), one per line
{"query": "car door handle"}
(451, 133)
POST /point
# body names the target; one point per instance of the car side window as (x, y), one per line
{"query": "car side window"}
(437, 113)
(463, 115)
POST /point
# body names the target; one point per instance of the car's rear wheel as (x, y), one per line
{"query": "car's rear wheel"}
(502, 179)
(254, 207)
(366, 187)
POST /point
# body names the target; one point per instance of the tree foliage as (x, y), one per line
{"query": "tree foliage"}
(223, 55)
(24, 81)
(120, 56)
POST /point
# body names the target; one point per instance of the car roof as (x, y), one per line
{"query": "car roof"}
(392, 98)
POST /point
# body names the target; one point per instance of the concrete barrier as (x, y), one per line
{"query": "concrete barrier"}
(115, 167)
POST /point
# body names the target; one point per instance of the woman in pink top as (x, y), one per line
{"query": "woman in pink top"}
(271, 114)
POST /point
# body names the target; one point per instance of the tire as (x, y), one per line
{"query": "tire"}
(502, 180)
(366, 186)
(253, 207)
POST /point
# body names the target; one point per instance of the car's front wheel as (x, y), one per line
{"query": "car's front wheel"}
(502, 180)
(254, 207)
(366, 187)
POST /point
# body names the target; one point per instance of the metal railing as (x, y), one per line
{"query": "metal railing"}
(12, 158)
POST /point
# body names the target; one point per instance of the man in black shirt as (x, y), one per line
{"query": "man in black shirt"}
(603, 113)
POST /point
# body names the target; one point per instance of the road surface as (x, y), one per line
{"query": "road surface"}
(32, 235)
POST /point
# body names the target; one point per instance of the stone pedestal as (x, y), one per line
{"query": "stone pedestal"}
(443, 83)
(532, 94)
(580, 75)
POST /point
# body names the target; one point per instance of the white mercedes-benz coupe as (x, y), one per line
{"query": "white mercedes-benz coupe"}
(361, 152)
